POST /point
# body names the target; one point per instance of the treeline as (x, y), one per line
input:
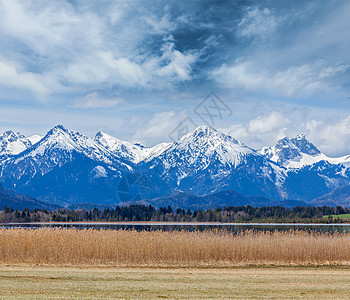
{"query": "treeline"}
(247, 213)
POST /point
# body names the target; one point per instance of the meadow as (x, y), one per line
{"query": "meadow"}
(339, 216)
(213, 248)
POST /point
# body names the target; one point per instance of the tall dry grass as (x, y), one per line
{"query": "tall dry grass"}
(59, 246)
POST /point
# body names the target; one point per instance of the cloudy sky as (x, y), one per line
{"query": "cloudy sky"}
(137, 69)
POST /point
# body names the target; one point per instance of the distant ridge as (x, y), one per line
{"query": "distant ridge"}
(14, 200)
(219, 199)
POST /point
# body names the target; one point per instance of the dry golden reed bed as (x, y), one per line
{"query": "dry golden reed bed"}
(58, 246)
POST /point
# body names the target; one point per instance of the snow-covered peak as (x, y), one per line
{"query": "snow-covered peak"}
(109, 142)
(58, 129)
(300, 136)
(203, 146)
(296, 153)
(205, 133)
(13, 143)
(283, 151)
(134, 152)
(120, 148)
(62, 140)
(305, 146)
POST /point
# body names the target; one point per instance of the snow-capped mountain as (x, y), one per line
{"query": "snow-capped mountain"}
(56, 149)
(206, 160)
(297, 153)
(309, 172)
(13, 143)
(291, 150)
(65, 165)
(199, 148)
(68, 167)
(132, 152)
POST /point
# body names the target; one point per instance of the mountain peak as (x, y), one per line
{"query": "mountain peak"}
(288, 150)
(300, 136)
(106, 139)
(204, 129)
(11, 136)
(58, 128)
(100, 135)
(204, 133)
(202, 147)
(12, 143)
(304, 145)
(9, 133)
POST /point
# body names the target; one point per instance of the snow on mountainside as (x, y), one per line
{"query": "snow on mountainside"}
(13, 143)
(200, 147)
(132, 152)
(34, 138)
(297, 153)
(58, 147)
(60, 139)
(70, 167)
(205, 160)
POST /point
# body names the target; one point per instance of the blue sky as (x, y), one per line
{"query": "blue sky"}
(137, 69)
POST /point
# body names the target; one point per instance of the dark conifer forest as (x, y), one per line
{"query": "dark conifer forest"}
(276, 214)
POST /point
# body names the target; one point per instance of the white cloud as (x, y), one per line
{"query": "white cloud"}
(258, 22)
(331, 135)
(159, 127)
(296, 51)
(271, 122)
(94, 100)
(103, 67)
(49, 26)
(264, 130)
(82, 48)
(177, 65)
(156, 72)
(161, 25)
(307, 78)
(12, 76)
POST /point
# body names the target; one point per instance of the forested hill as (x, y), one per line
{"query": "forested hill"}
(12, 199)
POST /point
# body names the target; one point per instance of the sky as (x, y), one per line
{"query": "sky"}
(139, 70)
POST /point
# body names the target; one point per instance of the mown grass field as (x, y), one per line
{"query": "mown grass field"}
(341, 216)
(28, 282)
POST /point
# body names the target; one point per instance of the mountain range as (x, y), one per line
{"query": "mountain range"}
(66, 168)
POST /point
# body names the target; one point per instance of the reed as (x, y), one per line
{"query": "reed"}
(59, 246)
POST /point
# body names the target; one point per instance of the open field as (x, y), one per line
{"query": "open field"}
(340, 216)
(25, 282)
(91, 247)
